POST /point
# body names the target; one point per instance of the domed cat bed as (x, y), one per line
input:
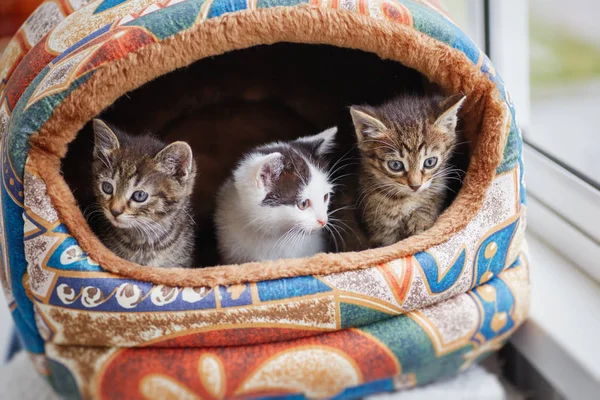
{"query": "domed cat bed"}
(338, 325)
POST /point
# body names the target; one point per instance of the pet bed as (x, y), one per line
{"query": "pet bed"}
(340, 325)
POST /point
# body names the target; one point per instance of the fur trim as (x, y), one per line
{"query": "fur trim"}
(484, 113)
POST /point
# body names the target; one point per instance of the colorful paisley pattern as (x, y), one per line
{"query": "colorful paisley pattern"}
(344, 335)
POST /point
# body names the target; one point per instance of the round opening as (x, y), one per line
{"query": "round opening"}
(225, 106)
(249, 94)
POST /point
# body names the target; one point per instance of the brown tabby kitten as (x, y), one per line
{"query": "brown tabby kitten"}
(404, 147)
(143, 189)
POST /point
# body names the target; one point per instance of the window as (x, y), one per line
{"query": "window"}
(548, 53)
(562, 137)
(469, 15)
(565, 84)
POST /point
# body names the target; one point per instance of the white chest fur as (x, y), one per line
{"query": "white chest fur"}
(241, 241)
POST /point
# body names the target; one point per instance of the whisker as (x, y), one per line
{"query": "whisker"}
(342, 166)
(340, 177)
(340, 209)
(283, 237)
(328, 229)
(189, 215)
(384, 144)
(339, 234)
(296, 169)
(340, 160)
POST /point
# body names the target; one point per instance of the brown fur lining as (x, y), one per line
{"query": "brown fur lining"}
(448, 67)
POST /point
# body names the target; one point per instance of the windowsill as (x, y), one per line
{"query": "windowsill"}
(6, 327)
(560, 338)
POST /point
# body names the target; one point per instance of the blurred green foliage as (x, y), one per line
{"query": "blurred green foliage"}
(558, 56)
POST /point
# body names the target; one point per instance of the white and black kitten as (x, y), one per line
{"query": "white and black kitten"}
(275, 205)
(143, 189)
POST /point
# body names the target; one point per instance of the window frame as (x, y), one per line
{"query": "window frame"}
(562, 213)
(563, 208)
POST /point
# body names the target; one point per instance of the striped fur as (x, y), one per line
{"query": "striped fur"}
(158, 231)
(394, 202)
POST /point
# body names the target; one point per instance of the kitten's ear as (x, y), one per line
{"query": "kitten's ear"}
(105, 140)
(176, 160)
(449, 118)
(365, 124)
(321, 143)
(269, 170)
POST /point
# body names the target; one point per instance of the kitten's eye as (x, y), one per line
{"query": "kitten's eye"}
(107, 188)
(430, 162)
(139, 196)
(326, 197)
(303, 204)
(395, 165)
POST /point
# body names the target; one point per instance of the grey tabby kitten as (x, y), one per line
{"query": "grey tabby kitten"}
(143, 188)
(404, 148)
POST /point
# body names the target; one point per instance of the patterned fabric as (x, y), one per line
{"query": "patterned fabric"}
(343, 335)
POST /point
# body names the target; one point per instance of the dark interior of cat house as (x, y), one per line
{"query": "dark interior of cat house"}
(226, 105)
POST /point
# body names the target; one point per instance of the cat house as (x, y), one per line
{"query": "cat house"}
(339, 325)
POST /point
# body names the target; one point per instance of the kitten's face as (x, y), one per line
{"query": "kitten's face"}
(406, 146)
(287, 186)
(135, 187)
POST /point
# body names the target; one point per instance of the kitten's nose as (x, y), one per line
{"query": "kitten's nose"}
(116, 212)
(415, 187)
(322, 221)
